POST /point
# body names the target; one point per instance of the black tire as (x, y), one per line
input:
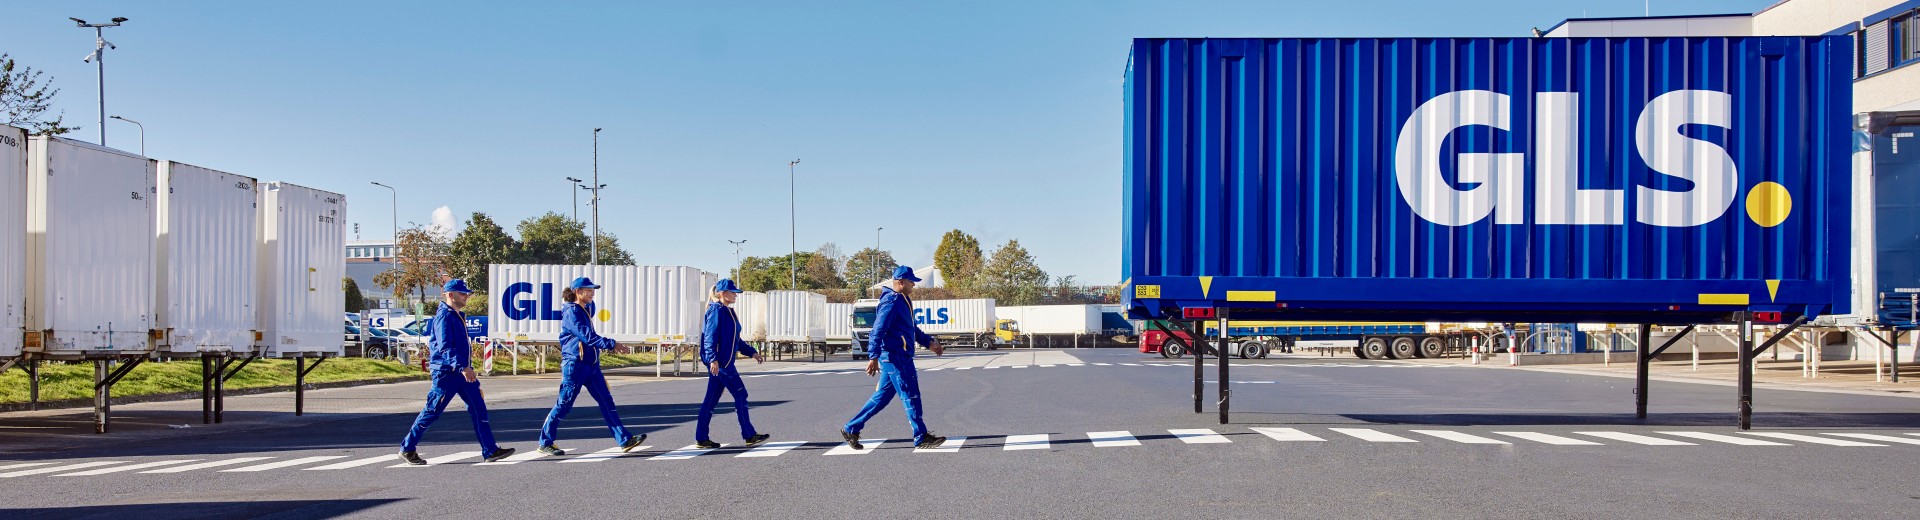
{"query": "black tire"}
(1359, 353)
(1375, 348)
(1173, 348)
(1431, 347)
(1403, 348)
(1253, 349)
(376, 352)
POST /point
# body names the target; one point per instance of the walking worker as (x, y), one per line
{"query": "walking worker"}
(720, 345)
(450, 364)
(580, 350)
(890, 354)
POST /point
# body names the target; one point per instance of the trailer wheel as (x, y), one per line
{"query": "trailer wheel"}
(1253, 349)
(1173, 348)
(1403, 348)
(1375, 348)
(1359, 353)
(1431, 347)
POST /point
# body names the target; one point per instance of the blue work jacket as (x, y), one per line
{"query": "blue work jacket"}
(578, 341)
(720, 339)
(448, 345)
(894, 333)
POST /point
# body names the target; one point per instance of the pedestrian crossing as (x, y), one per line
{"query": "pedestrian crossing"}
(1024, 442)
(1235, 364)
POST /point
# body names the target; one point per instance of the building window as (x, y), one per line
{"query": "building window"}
(1906, 33)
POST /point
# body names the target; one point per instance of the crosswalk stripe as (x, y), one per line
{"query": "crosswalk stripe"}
(1813, 439)
(866, 446)
(1372, 435)
(1131, 364)
(443, 459)
(606, 454)
(772, 449)
(1075, 364)
(1287, 434)
(23, 465)
(931, 370)
(1103, 364)
(205, 465)
(1019, 366)
(688, 452)
(1729, 439)
(1637, 439)
(130, 467)
(352, 463)
(1046, 366)
(515, 458)
(283, 464)
(1549, 439)
(1463, 438)
(1027, 442)
(1199, 436)
(1881, 438)
(1112, 439)
(56, 469)
(961, 368)
(951, 446)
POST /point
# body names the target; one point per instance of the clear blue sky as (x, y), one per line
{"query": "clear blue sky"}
(998, 118)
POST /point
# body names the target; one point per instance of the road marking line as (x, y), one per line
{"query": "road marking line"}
(688, 452)
(1131, 364)
(1549, 439)
(931, 370)
(1372, 435)
(131, 467)
(1019, 366)
(1103, 364)
(772, 449)
(443, 459)
(1112, 439)
(1637, 439)
(1046, 366)
(1199, 436)
(352, 463)
(988, 368)
(961, 368)
(282, 464)
(515, 458)
(24, 465)
(867, 446)
(1287, 434)
(205, 465)
(1074, 365)
(1882, 438)
(56, 469)
(606, 454)
(1729, 439)
(951, 446)
(1027, 442)
(1463, 438)
(1812, 439)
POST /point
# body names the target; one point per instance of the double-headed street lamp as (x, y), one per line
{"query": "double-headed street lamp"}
(99, 58)
(573, 186)
(736, 257)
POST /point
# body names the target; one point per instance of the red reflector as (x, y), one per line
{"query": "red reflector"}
(1766, 317)
(1197, 313)
(1673, 307)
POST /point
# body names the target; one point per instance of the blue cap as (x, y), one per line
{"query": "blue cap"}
(582, 283)
(904, 273)
(726, 285)
(456, 285)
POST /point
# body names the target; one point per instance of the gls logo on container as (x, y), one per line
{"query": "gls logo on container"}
(517, 304)
(1557, 198)
(936, 316)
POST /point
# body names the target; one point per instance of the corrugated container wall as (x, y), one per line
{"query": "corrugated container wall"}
(303, 237)
(660, 305)
(1053, 319)
(207, 242)
(973, 316)
(13, 240)
(89, 249)
(1611, 179)
(839, 322)
(796, 317)
(751, 308)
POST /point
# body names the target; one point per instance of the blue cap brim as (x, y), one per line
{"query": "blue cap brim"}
(909, 278)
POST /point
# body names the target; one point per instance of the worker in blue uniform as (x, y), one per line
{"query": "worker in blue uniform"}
(890, 355)
(580, 349)
(451, 369)
(720, 346)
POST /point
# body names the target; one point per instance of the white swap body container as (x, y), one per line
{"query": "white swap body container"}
(13, 240)
(1053, 319)
(751, 307)
(974, 316)
(207, 233)
(796, 317)
(90, 222)
(648, 304)
(303, 237)
(839, 322)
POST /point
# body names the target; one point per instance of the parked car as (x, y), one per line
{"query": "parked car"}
(380, 345)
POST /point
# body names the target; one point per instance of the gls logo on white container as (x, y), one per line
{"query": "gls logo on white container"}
(1556, 151)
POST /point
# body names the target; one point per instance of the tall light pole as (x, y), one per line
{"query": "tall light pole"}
(793, 230)
(99, 58)
(394, 254)
(143, 134)
(736, 258)
(594, 251)
(573, 186)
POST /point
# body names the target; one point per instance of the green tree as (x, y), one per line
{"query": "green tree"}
(356, 301)
(610, 251)
(476, 304)
(867, 267)
(959, 261)
(553, 239)
(822, 269)
(771, 273)
(25, 98)
(1011, 277)
(419, 261)
(482, 243)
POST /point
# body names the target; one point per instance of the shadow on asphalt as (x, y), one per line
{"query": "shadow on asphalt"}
(1760, 419)
(198, 510)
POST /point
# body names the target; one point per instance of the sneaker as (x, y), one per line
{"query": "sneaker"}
(707, 445)
(632, 442)
(413, 458)
(757, 439)
(853, 439)
(498, 453)
(552, 450)
(931, 441)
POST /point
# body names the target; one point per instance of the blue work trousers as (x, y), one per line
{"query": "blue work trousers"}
(897, 376)
(727, 379)
(448, 383)
(573, 377)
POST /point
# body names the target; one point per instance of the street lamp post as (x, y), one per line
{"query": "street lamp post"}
(99, 58)
(793, 230)
(736, 258)
(143, 134)
(573, 186)
(594, 250)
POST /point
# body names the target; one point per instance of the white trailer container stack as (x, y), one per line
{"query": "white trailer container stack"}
(652, 305)
(90, 250)
(13, 240)
(960, 323)
(751, 308)
(207, 238)
(839, 323)
(796, 317)
(303, 233)
(1054, 325)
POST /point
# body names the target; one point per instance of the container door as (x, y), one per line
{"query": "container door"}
(1896, 187)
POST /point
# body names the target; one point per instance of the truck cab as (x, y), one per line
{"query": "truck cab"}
(864, 312)
(1006, 332)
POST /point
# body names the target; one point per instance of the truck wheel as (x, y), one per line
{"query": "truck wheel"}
(1357, 352)
(1403, 348)
(1431, 347)
(1173, 348)
(1375, 348)
(1253, 349)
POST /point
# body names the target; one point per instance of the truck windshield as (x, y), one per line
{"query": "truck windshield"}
(863, 318)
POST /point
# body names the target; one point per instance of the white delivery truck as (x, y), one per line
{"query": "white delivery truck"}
(1052, 325)
(955, 323)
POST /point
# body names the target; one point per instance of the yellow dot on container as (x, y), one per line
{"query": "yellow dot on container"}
(605, 315)
(1768, 204)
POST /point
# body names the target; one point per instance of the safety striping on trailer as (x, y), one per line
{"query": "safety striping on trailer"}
(516, 458)
(1371, 435)
(206, 465)
(284, 464)
(1881, 438)
(1287, 435)
(443, 459)
(1027, 442)
(688, 452)
(1549, 439)
(1112, 439)
(952, 445)
(1813, 439)
(1199, 436)
(353, 463)
(772, 449)
(1637, 439)
(1729, 439)
(57, 469)
(866, 446)
(1463, 438)
(607, 454)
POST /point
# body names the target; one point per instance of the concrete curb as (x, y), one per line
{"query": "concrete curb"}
(87, 403)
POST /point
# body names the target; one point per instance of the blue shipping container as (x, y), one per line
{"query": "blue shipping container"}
(1666, 180)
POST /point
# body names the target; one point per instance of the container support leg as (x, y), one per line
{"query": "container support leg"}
(33, 384)
(206, 389)
(104, 376)
(1225, 393)
(1646, 357)
(300, 370)
(1199, 348)
(1747, 355)
(220, 385)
